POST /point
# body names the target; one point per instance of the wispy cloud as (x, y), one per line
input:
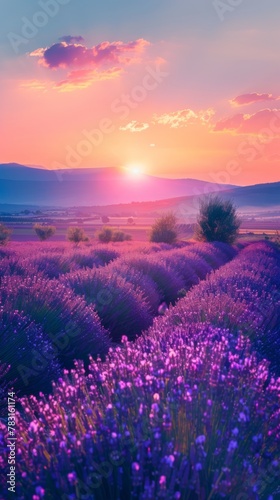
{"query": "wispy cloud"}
(135, 126)
(35, 85)
(245, 99)
(84, 78)
(185, 117)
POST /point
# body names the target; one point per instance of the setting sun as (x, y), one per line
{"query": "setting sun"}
(135, 169)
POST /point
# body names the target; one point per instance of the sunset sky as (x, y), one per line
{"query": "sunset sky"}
(177, 88)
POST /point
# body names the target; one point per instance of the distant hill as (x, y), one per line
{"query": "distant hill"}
(20, 184)
(257, 198)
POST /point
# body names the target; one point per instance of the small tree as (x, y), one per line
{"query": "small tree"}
(105, 235)
(217, 220)
(5, 234)
(164, 230)
(44, 232)
(76, 235)
(130, 220)
(105, 219)
(277, 238)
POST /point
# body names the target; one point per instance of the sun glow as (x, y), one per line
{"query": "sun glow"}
(135, 169)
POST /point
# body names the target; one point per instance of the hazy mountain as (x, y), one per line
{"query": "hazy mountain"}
(256, 199)
(96, 186)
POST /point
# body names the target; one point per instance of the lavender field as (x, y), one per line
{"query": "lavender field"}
(142, 371)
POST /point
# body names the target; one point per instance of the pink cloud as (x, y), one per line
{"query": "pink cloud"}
(257, 123)
(245, 99)
(67, 54)
(100, 62)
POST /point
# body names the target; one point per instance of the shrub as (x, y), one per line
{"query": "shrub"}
(16, 265)
(120, 236)
(52, 265)
(105, 235)
(28, 352)
(167, 281)
(81, 260)
(139, 280)
(98, 257)
(120, 307)
(5, 234)
(130, 220)
(215, 254)
(164, 229)
(182, 264)
(106, 255)
(72, 326)
(276, 238)
(217, 220)
(76, 235)
(44, 232)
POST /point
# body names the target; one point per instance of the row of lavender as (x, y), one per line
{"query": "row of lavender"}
(47, 323)
(187, 411)
(243, 296)
(128, 292)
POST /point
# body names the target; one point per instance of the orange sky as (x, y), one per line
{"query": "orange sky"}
(178, 102)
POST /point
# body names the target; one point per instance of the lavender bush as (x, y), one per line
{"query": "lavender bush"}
(52, 265)
(243, 296)
(72, 326)
(167, 281)
(140, 281)
(119, 306)
(189, 410)
(166, 417)
(28, 352)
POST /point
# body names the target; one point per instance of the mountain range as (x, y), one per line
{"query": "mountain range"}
(96, 187)
(92, 186)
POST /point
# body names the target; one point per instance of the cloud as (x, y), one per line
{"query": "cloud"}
(35, 85)
(245, 99)
(38, 52)
(69, 55)
(185, 117)
(72, 39)
(257, 123)
(88, 65)
(83, 78)
(135, 126)
(79, 79)
(175, 119)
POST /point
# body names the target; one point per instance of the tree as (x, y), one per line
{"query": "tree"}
(105, 219)
(217, 220)
(277, 238)
(5, 234)
(43, 231)
(130, 220)
(164, 230)
(76, 235)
